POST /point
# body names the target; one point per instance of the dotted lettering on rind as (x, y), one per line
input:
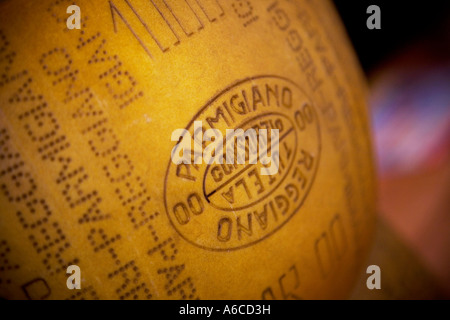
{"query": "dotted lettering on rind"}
(172, 273)
(87, 293)
(6, 265)
(35, 215)
(126, 278)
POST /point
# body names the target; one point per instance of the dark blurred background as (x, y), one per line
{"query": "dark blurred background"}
(407, 64)
(403, 24)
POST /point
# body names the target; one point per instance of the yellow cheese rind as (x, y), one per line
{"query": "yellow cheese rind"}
(86, 176)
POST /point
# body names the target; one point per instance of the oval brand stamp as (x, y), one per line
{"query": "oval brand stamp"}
(231, 206)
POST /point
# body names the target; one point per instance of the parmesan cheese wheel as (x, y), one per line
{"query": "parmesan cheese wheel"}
(86, 172)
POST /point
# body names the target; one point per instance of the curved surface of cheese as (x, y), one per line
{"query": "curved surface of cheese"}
(86, 177)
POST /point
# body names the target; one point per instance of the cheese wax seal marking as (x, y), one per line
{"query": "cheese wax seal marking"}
(231, 206)
(86, 177)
